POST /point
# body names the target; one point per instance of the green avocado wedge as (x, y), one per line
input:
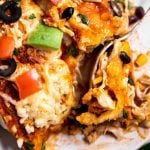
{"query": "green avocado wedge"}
(49, 38)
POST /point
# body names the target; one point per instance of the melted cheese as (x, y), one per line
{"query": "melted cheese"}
(117, 82)
(51, 104)
(102, 24)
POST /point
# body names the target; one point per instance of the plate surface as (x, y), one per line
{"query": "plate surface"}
(132, 140)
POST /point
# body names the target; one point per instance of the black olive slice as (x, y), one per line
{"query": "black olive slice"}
(14, 12)
(115, 9)
(11, 67)
(133, 19)
(67, 13)
(139, 12)
(124, 57)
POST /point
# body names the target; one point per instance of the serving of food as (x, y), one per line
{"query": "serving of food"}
(68, 68)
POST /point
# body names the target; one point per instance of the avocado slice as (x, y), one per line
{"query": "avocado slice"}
(45, 37)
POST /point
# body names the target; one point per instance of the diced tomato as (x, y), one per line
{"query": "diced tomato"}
(7, 45)
(55, 2)
(28, 83)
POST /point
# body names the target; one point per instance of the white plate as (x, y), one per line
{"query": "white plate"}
(132, 140)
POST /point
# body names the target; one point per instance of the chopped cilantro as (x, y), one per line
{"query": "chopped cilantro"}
(72, 51)
(84, 19)
(32, 16)
(29, 145)
(125, 114)
(16, 51)
(130, 81)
